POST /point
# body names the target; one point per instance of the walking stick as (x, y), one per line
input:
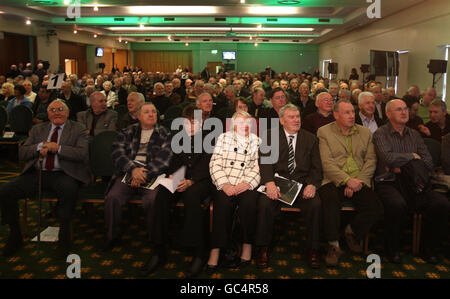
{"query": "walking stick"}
(39, 194)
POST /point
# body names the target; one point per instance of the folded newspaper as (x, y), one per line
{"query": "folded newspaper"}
(170, 183)
(289, 189)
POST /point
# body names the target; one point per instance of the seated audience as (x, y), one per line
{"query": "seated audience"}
(396, 146)
(75, 103)
(63, 146)
(134, 101)
(235, 173)
(41, 103)
(298, 160)
(427, 98)
(141, 152)
(366, 116)
(98, 118)
(111, 96)
(348, 163)
(439, 124)
(322, 116)
(29, 94)
(195, 187)
(19, 99)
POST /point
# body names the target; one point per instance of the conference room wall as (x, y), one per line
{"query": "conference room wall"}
(423, 30)
(281, 57)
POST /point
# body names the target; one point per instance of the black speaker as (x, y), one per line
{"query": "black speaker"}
(437, 66)
(378, 63)
(365, 68)
(101, 65)
(333, 68)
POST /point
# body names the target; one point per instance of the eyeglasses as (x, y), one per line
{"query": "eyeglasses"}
(401, 109)
(60, 109)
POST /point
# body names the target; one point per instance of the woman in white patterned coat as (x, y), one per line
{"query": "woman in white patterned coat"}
(234, 171)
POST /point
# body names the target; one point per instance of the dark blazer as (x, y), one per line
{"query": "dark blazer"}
(358, 119)
(75, 103)
(74, 149)
(268, 113)
(197, 164)
(106, 122)
(308, 169)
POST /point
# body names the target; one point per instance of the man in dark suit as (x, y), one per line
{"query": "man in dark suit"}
(63, 146)
(98, 119)
(298, 160)
(73, 101)
(205, 74)
(279, 99)
(366, 116)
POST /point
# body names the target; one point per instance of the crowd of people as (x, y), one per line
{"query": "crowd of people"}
(342, 140)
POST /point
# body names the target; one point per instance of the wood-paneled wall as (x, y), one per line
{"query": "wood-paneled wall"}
(69, 50)
(120, 59)
(15, 48)
(162, 61)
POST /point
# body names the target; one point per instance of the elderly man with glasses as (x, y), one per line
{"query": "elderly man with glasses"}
(62, 146)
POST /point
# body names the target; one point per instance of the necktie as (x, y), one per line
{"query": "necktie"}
(291, 155)
(50, 162)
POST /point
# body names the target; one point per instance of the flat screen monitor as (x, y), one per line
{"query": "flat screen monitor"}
(229, 55)
(99, 52)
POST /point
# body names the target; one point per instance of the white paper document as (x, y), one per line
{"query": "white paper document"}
(170, 184)
(50, 234)
(289, 189)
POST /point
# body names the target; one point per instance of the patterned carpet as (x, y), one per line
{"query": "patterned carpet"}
(123, 262)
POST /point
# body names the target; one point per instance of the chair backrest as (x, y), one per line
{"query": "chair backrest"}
(100, 160)
(3, 118)
(224, 113)
(21, 119)
(173, 112)
(121, 110)
(434, 147)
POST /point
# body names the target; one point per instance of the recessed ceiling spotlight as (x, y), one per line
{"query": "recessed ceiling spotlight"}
(66, 2)
(256, 44)
(251, 37)
(126, 42)
(95, 35)
(28, 22)
(120, 40)
(75, 31)
(96, 8)
(186, 44)
(142, 26)
(242, 1)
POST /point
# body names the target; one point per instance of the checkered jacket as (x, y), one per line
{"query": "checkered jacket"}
(235, 161)
(126, 146)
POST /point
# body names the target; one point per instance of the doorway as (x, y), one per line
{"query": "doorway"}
(213, 66)
(71, 66)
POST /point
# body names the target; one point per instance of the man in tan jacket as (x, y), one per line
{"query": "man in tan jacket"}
(348, 161)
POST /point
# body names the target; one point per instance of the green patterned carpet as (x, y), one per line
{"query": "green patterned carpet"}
(287, 259)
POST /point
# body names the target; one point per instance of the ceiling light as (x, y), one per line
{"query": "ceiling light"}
(169, 37)
(251, 37)
(126, 42)
(242, 1)
(75, 31)
(186, 44)
(95, 35)
(66, 2)
(256, 44)
(154, 28)
(169, 10)
(120, 40)
(271, 10)
(28, 22)
(142, 26)
(96, 8)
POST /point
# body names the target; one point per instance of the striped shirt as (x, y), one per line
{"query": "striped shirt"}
(394, 150)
